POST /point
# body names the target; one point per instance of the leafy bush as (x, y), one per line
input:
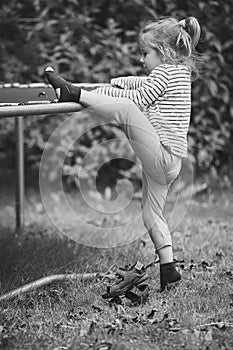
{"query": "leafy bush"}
(92, 41)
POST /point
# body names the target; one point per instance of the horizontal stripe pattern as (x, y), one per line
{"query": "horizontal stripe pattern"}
(128, 82)
(165, 99)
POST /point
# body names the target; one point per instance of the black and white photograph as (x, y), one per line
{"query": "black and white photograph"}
(116, 175)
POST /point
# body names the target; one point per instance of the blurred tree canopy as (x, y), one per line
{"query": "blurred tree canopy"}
(92, 41)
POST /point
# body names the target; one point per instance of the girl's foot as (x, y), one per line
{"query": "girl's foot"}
(65, 91)
(168, 275)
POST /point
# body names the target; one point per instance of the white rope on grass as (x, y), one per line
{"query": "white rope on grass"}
(29, 287)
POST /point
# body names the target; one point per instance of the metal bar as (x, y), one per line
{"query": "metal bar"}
(19, 203)
(86, 86)
(52, 108)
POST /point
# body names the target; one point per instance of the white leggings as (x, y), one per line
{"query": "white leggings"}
(159, 166)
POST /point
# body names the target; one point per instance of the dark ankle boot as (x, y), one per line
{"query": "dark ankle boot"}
(168, 275)
(68, 92)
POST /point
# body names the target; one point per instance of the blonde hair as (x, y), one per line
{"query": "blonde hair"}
(174, 40)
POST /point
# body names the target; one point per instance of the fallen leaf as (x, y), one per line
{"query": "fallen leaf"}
(229, 274)
(83, 332)
(174, 329)
(152, 313)
(219, 254)
(87, 328)
(165, 317)
(132, 315)
(196, 333)
(97, 308)
(103, 346)
(221, 325)
(92, 327)
(208, 336)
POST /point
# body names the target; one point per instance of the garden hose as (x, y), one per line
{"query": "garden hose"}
(29, 287)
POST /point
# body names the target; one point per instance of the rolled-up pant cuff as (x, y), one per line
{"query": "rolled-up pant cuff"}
(162, 245)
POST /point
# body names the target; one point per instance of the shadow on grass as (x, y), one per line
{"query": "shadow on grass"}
(31, 256)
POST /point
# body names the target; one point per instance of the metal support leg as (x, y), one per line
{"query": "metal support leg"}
(19, 205)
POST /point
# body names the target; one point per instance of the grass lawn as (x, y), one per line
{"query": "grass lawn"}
(72, 315)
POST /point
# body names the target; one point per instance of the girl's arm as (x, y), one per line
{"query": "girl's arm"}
(153, 87)
(128, 82)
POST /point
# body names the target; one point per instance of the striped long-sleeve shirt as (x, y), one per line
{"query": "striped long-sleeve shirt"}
(164, 97)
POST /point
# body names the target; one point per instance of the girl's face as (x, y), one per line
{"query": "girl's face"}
(150, 59)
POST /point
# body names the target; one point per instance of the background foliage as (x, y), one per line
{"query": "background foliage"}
(92, 41)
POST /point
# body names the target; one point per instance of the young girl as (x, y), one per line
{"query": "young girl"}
(154, 113)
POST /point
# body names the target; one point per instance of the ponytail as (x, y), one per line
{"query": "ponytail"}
(193, 29)
(189, 35)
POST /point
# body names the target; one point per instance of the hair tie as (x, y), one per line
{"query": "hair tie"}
(182, 23)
